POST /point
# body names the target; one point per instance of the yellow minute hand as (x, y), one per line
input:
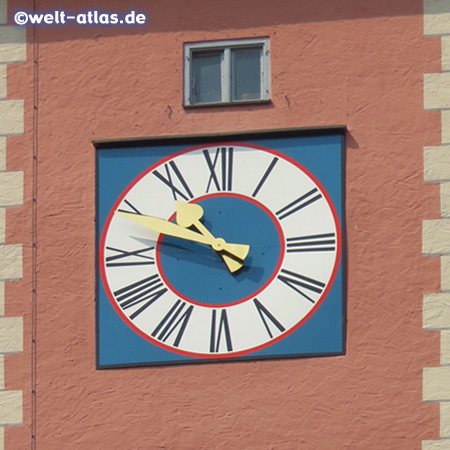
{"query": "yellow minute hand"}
(168, 228)
(237, 251)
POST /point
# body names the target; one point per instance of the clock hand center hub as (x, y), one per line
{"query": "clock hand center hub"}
(218, 244)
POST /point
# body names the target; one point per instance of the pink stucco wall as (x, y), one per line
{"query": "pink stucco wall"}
(355, 63)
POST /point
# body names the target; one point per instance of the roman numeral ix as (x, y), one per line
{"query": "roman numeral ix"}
(123, 258)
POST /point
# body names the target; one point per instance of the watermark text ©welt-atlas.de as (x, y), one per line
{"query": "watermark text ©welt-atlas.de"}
(83, 18)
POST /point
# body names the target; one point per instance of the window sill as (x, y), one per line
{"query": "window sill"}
(236, 103)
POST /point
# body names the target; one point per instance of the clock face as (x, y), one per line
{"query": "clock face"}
(220, 251)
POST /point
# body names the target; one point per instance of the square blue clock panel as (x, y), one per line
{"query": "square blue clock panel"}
(220, 248)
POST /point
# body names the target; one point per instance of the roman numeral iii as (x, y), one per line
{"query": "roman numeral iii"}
(314, 243)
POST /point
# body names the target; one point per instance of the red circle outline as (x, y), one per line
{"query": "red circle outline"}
(242, 300)
(242, 352)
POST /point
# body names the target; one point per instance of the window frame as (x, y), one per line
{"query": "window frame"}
(226, 47)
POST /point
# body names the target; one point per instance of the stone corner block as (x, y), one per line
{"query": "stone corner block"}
(2, 298)
(11, 406)
(445, 51)
(436, 91)
(11, 334)
(2, 373)
(436, 163)
(435, 384)
(2, 225)
(436, 237)
(445, 200)
(11, 117)
(436, 312)
(11, 258)
(13, 48)
(445, 420)
(436, 17)
(3, 85)
(11, 189)
(3, 18)
(2, 154)
(445, 273)
(445, 348)
(436, 445)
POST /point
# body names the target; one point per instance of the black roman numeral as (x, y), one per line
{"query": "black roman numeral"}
(176, 319)
(264, 313)
(265, 176)
(299, 283)
(131, 208)
(303, 201)
(183, 191)
(314, 243)
(140, 257)
(143, 293)
(223, 180)
(216, 332)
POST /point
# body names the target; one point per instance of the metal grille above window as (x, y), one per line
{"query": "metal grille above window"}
(224, 72)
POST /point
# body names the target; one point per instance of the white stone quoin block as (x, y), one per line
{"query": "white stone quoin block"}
(436, 17)
(445, 199)
(436, 94)
(11, 407)
(445, 126)
(436, 237)
(435, 384)
(11, 266)
(445, 420)
(11, 189)
(436, 163)
(435, 445)
(445, 347)
(436, 312)
(13, 44)
(3, 86)
(2, 154)
(11, 334)
(11, 117)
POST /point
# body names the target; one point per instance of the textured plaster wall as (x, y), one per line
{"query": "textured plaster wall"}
(349, 62)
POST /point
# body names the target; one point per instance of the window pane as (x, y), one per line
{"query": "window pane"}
(206, 77)
(246, 74)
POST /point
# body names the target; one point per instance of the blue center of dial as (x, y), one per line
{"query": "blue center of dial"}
(198, 274)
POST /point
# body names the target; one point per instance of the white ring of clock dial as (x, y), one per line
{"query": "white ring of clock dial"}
(306, 216)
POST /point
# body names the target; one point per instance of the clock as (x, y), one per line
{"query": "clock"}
(219, 251)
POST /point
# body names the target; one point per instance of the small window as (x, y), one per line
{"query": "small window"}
(226, 72)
